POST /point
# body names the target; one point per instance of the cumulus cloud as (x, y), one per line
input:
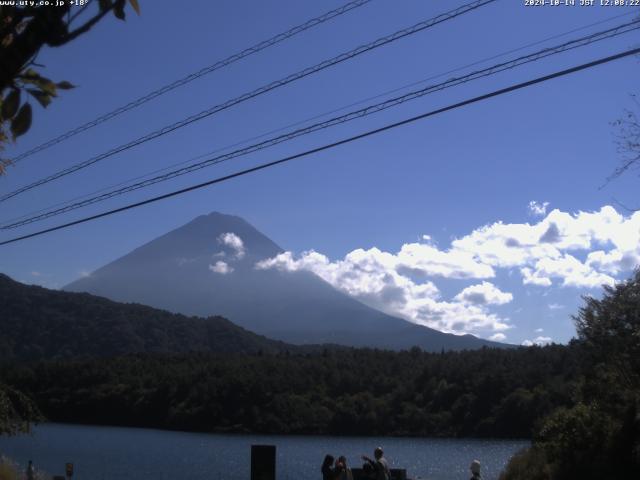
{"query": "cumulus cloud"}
(539, 341)
(552, 235)
(221, 267)
(484, 293)
(581, 250)
(234, 242)
(498, 337)
(529, 277)
(538, 209)
(427, 259)
(544, 251)
(381, 280)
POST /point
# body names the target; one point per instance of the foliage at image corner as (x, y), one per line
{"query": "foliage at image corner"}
(17, 411)
(10, 470)
(24, 30)
(599, 436)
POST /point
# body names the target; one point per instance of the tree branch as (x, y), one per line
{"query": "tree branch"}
(80, 30)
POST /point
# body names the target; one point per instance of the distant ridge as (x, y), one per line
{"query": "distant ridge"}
(39, 324)
(190, 271)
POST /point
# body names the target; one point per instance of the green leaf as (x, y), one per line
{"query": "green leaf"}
(30, 76)
(48, 86)
(30, 73)
(22, 121)
(10, 104)
(135, 5)
(42, 97)
(64, 85)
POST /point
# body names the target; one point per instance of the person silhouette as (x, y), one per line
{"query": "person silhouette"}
(30, 471)
(327, 469)
(380, 464)
(475, 470)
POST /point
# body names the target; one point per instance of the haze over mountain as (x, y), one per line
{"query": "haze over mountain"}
(207, 267)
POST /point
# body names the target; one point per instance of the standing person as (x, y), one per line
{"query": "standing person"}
(380, 465)
(475, 470)
(343, 470)
(328, 472)
(30, 472)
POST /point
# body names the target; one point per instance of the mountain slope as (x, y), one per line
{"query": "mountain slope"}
(37, 323)
(194, 271)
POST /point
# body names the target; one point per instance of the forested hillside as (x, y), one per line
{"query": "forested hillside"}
(488, 393)
(37, 323)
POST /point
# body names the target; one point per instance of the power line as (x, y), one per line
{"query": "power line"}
(315, 117)
(193, 76)
(369, 110)
(259, 91)
(344, 141)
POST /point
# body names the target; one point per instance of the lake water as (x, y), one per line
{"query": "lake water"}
(102, 453)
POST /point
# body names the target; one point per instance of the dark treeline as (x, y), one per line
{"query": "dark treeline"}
(487, 393)
(39, 324)
(598, 435)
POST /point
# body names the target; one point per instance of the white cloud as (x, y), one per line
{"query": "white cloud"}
(484, 293)
(498, 337)
(554, 306)
(221, 267)
(572, 272)
(427, 259)
(36, 274)
(539, 330)
(538, 209)
(540, 341)
(583, 250)
(529, 277)
(382, 280)
(234, 242)
(544, 251)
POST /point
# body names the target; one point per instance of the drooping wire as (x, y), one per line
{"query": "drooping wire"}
(259, 91)
(318, 116)
(344, 141)
(363, 112)
(193, 76)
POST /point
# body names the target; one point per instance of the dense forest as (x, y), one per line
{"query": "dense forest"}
(38, 323)
(489, 393)
(580, 403)
(597, 436)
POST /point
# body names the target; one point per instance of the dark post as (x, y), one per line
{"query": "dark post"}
(263, 462)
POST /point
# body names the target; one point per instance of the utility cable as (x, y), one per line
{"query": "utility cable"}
(314, 117)
(344, 141)
(193, 76)
(259, 91)
(363, 112)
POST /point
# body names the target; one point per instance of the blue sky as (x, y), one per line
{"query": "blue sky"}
(449, 178)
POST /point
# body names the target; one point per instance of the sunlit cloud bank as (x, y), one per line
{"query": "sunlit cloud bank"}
(582, 251)
(539, 341)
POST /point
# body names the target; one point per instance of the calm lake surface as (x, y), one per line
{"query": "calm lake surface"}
(102, 453)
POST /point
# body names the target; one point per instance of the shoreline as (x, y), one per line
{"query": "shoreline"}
(263, 434)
